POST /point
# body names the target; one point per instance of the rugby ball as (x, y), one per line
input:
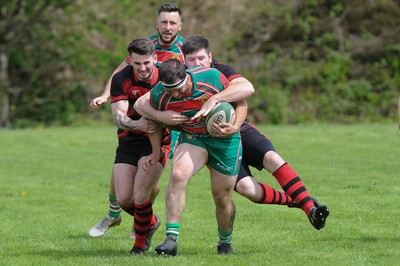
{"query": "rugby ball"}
(222, 112)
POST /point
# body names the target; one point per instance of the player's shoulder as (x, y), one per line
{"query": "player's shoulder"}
(203, 70)
(219, 65)
(154, 38)
(225, 69)
(158, 89)
(180, 40)
(157, 96)
(125, 73)
(205, 74)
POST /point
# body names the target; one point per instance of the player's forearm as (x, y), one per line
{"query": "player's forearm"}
(240, 113)
(239, 89)
(122, 121)
(155, 141)
(106, 93)
(143, 107)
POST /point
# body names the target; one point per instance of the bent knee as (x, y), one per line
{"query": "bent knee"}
(272, 161)
(249, 189)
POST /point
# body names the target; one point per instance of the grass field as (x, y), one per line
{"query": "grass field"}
(54, 188)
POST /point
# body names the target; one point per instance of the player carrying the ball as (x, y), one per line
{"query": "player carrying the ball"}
(185, 91)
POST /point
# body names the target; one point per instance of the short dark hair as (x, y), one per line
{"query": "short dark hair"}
(141, 46)
(195, 43)
(171, 70)
(170, 7)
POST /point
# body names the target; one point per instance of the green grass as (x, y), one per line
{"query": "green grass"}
(54, 187)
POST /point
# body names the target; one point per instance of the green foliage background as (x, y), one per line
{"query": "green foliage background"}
(310, 60)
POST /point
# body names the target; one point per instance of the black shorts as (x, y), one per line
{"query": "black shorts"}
(131, 153)
(255, 146)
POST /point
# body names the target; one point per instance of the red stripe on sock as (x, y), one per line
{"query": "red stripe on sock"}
(273, 196)
(143, 218)
(284, 175)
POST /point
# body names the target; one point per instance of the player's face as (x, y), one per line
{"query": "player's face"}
(143, 66)
(168, 26)
(198, 58)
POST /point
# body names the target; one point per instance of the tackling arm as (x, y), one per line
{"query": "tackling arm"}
(238, 89)
(155, 140)
(169, 118)
(123, 121)
(106, 93)
(240, 114)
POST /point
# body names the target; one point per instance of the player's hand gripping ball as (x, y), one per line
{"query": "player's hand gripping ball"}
(222, 112)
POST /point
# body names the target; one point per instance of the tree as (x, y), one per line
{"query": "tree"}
(17, 19)
(56, 55)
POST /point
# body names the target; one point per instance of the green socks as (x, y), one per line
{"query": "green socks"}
(114, 209)
(172, 229)
(224, 237)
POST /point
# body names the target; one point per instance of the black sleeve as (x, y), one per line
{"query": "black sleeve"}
(227, 70)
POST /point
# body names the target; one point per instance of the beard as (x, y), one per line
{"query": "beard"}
(168, 41)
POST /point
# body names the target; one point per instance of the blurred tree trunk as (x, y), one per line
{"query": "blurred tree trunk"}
(16, 19)
(4, 84)
(11, 13)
